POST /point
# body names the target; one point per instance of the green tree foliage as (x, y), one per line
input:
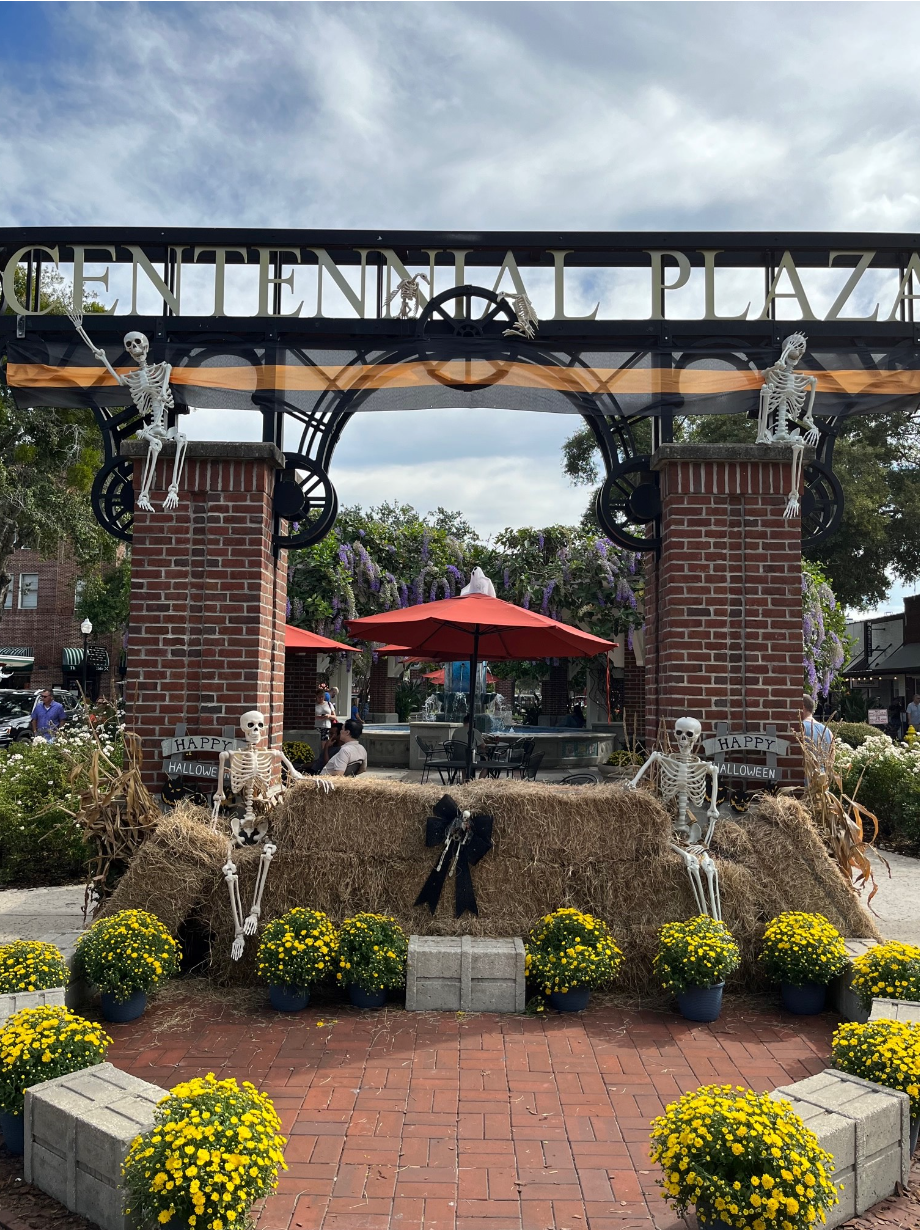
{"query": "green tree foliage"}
(106, 597)
(877, 459)
(48, 458)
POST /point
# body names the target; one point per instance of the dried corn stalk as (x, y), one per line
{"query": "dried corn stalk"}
(117, 813)
(841, 821)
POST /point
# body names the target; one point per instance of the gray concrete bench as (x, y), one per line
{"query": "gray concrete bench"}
(895, 1010)
(78, 1130)
(448, 973)
(867, 1129)
(11, 1004)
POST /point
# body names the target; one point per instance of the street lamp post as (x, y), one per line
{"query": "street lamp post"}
(86, 628)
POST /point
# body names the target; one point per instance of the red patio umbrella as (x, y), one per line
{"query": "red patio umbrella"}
(299, 638)
(476, 626)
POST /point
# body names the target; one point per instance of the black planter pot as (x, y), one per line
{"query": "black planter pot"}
(13, 1130)
(574, 1000)
(366, 999)
(701, 1003)
(806, 1000)
(120, 1011)
(288, 999)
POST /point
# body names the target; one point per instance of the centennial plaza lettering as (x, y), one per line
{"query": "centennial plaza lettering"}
(362, 278)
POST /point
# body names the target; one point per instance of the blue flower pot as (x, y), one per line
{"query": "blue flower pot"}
(806, 1000)
(13, 1134)
(574, 1000)
(121, 1011)
(288, 999)
(366, 999)
(701, 1003)
(914, 1133)
(715, 1224)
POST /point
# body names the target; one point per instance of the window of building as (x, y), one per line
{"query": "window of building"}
(79, 590)
(28, 591)
(8, 600)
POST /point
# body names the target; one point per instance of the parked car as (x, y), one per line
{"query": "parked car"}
(16, 707)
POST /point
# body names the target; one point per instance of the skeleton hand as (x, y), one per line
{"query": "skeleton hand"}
(251, 925)
(813, 436)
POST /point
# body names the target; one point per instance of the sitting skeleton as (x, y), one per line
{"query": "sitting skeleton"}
(153, 400)
(787, 399)
(410, 294)
(254, 777)
(683, 776)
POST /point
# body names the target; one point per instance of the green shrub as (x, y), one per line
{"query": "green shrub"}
(853, 733)
(884, 777)
(40, 843)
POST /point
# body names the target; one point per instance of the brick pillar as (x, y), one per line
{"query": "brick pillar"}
(382, 692)
(505, 689)
(208, 599)
(555, 690)
(723, 604)
(299, 690)
(633, 698)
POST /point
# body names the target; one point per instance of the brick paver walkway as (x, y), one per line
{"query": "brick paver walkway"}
(448, 1122)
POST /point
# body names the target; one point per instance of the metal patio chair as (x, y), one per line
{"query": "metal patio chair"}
(579, 779)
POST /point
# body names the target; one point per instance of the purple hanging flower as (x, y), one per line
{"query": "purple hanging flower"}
(629, 638)
(432, 593)
(600, 599)
(807, 626)
(335, 603)
(506, 580)
(526, 603)
(403, 594)
(540, 540)
(546, 596)
(600, 545)
(426, 540)
(343, 554)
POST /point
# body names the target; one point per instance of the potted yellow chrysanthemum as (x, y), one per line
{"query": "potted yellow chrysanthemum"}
(373, 950)
(297, 949)
(692, 960)
(803, 952)
(127, 956)
(568, 953)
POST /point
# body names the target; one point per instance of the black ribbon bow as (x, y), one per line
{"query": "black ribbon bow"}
(465, 840)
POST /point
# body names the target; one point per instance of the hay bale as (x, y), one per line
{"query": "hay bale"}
(602, 849)
(173, 868)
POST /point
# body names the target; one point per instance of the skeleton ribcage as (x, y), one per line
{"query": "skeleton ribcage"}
(253, 768)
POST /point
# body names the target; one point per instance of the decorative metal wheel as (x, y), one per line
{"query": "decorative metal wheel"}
(465, 326)
(822, 503)
(113, 498)
(306, 499)
(628, 500)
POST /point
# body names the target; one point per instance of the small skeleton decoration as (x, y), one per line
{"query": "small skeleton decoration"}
(153, 399)
(527, 323)
(682, 776)
(787, 399)
(252, 776)
(409, 291)
(465, 839)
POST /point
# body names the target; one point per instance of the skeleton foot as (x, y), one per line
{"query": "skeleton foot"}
(172, 498)
(251, 925)
(144, 503)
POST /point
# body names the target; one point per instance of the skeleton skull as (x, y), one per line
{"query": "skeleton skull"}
(794, 347)
(137, 346)
(252, 724)
(686, 731)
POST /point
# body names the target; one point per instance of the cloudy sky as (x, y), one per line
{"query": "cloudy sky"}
(461, 115)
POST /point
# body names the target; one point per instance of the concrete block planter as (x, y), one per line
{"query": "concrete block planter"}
(867, 1129)
(463, 974)
(895, 1010)
(78, 1130)
(11, 1004)
(840, 992)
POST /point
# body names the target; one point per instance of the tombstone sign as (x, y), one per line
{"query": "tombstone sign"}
(878, 717)
(734, 743)
(177, 750)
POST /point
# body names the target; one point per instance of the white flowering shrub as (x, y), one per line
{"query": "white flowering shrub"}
(41, 842)
(885, 778)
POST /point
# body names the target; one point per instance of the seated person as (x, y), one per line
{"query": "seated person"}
(463, 736)
(349, 751)
(328, 748)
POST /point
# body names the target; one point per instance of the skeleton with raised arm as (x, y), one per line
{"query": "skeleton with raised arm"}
(409, 293)
(787, 399)
(683, 777)
(153, 400)
(526, 324)
(255, 775)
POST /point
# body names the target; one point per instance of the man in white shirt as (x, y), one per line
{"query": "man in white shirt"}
(913, 714)
(350, 750)
(816, 731)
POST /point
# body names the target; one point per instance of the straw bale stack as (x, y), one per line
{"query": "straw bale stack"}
(602, 849)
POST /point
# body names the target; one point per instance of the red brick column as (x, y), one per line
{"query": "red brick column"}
(723, 637)
(505, 689)
(554, 690)
(299, 690)
(208, 599)
(382, 690)
(633, 698)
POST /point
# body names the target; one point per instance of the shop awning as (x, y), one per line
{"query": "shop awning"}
(97, 659)
(904, 660)
(18, 657)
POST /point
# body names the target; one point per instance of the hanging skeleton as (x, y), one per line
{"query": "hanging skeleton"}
(683, 776)
(465, 839)
(409, 293)
(787, 399)
(153, 400)
(527, 323)
(254, 777)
